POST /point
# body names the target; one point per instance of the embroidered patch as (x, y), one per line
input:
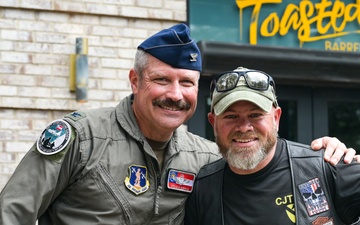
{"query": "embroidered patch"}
(137, 181)
(314, 197)
(323, 221)
(180, 180)
(54, 138)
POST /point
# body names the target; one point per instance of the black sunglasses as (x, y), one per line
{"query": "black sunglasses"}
(254, 79)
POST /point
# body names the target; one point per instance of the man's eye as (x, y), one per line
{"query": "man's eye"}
(230, 116)
(161, 80)
(188, 83)
(255, 115)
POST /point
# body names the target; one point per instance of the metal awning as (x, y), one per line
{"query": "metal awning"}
(286, 65)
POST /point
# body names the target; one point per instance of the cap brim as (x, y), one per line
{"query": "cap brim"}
(258, 99)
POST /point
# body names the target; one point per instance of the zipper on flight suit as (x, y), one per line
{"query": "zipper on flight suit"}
(157, 196)
(159, 188)
(159, 173)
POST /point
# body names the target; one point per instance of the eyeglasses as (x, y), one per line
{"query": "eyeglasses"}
(254, 79)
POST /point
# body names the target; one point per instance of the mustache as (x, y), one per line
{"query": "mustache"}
(246, 135)
(182, 105)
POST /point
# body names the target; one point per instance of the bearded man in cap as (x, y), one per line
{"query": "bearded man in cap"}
(262, 178)
(129, 164)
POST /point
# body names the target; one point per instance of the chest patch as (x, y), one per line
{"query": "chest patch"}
(54, 138)
(180, 181)
(323, 221)
(137, 180)
(314, 197)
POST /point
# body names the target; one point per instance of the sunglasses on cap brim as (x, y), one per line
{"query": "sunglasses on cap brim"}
(254, 79)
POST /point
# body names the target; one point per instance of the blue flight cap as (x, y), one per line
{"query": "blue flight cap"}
(175, 47)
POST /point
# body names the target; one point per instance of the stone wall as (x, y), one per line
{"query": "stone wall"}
(37, 38)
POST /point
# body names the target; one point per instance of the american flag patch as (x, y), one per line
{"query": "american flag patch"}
(180, 180)
(314, 197)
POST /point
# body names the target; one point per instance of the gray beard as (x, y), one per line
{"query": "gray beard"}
(245, 159)
(248, 158)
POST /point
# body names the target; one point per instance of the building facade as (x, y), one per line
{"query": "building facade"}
(310, 47)
(37, 40)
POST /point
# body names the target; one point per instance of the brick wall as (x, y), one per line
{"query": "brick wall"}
(37, 38)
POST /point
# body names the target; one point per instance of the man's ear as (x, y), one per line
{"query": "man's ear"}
(211, 118)
(277, 115)
(134, 81)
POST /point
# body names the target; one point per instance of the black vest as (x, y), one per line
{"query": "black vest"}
(305, 165)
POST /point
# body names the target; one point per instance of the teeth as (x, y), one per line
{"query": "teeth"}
(172, 109)
(244, 141)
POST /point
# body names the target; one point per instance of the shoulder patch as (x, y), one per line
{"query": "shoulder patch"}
(76, 115)
(54, 138)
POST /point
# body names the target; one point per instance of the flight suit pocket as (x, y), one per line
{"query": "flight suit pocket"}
(96, 199)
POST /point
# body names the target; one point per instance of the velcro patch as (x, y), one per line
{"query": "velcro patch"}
(180, 181)
(137, 181)
(54, 138)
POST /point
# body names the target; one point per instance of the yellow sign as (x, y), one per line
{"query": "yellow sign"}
(328, 18)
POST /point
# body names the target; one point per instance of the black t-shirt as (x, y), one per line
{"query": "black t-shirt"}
(268, 193)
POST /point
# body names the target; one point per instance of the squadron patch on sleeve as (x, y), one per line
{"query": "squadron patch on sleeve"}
(54, 138)
(137, 181)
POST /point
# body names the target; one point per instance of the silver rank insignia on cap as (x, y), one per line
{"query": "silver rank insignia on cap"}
(54, 138)
(193, 57)
(137, 181)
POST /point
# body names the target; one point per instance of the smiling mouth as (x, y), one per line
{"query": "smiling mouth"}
(244, 141)
(168, 108)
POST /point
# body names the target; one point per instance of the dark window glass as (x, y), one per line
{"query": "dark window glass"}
(288, 120)
(344, 122)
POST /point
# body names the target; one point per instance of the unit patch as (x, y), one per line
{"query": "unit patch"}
(54, 138)
(137, 181)
(314, 197)
(180, 180)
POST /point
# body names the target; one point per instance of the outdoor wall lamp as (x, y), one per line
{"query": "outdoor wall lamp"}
(79, 70)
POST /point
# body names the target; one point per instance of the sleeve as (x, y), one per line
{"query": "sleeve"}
(36, 182)
(346, 180)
